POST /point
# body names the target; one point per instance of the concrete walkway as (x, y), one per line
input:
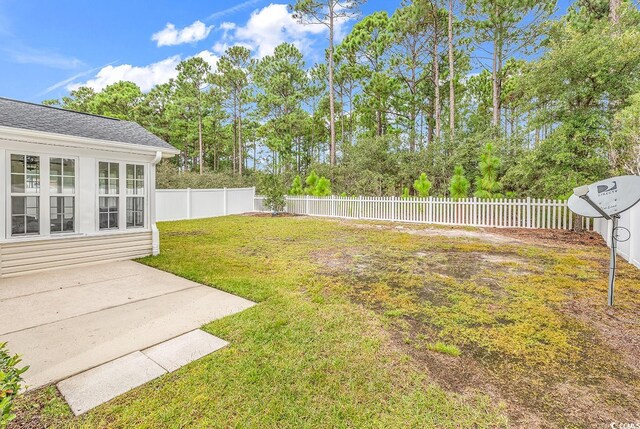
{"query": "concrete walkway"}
(68, 321)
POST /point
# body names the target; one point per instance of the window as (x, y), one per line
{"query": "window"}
(135, 196)
(62, 186)
(25, 195)
(109, 191)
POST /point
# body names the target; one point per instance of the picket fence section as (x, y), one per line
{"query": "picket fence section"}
(501, 213)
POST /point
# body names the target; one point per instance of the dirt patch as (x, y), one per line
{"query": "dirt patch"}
(269, 214)
(193, 233)
(555, 237)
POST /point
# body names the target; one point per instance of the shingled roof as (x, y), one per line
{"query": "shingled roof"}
(36, 117)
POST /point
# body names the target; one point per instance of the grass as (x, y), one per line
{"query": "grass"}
(446, 349)
(359, 325)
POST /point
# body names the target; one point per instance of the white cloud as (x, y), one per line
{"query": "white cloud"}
(145, 77)
(271, 26)
(209, 57)
(171, 36)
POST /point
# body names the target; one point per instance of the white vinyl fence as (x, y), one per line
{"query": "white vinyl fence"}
(629, 249)
(179, 204)
(505, 213)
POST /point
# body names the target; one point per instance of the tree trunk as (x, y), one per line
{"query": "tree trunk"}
(240, 151)
(436, 77)
(496, 91)
(332, 124)
(201, 151)
(614, 12)
(452, 86)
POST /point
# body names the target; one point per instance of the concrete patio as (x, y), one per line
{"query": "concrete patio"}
(67, 321)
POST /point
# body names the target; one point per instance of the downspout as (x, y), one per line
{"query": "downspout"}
(155, 233)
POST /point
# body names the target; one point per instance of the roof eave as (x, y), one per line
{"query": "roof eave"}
(55, 139)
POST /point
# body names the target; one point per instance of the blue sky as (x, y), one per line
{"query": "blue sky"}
(49, 47)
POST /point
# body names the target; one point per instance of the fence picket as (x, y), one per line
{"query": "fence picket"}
(500, 213)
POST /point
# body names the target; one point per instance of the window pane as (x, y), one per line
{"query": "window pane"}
(33, 184)
(18, 205)
(140, 187)
(25, 217)
(140, 172)
(113, 220)
(55, 185)
(17, 183)
(17, 164)
(62, 214)
(113, 170)
(33, 164)
(131, 184)
(104, 186)
(56, 222)
(113, 204)
(104, 220)
(113, 186)
(55, 166)
(17, 225)
(69, 167)
(131, 171)
(69, 185)
(103, 169)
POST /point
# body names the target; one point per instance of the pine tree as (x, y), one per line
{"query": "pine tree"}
(459, 186)
(422, 186)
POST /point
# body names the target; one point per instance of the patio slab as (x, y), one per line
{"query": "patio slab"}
(177, 352)
(82, 319)
(99, 385)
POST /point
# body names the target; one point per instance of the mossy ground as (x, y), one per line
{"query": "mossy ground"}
(364, 325)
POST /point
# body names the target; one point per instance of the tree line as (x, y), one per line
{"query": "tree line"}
(503, 94)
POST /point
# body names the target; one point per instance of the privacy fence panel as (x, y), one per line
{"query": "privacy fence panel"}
(629, 224)
(502, 213)
(180, 204)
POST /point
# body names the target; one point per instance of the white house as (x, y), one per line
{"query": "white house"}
(74, 188)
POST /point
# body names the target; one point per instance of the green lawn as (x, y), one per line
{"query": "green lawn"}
(362, 324)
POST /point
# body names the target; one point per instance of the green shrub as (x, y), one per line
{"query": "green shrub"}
(422, 186)
(10, 383)
(296, 187)
(274, 192)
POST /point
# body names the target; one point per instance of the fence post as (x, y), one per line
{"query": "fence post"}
(188, 203)
(333, 206)
(360, 207)
(254, 198)
(393, 208)
(529, 212)
(306, 205)
(475, 211)
(224, 201)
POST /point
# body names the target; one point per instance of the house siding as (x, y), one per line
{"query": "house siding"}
(18, 258)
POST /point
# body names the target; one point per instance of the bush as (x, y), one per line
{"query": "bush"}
(168, 176)
(10, 379)
(274, 193)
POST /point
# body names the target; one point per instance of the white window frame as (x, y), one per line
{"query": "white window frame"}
(44, 195)
(133, 195)
(118, 196)
(64, 193)
(11, 194)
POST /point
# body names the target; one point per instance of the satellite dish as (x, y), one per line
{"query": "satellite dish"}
(613, 196)
(607, 199)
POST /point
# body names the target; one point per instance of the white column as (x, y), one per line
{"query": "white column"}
(86, 193)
